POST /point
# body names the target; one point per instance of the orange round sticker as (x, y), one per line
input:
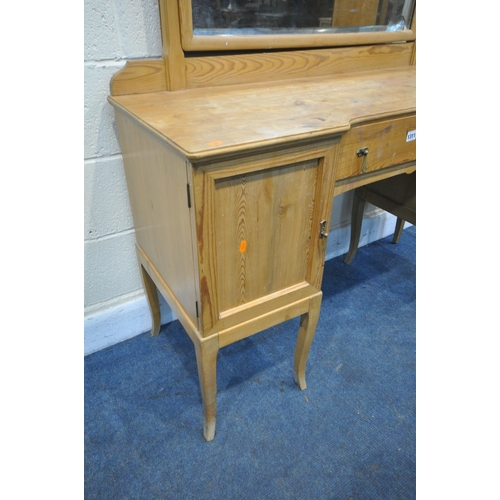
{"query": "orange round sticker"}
(243, 246)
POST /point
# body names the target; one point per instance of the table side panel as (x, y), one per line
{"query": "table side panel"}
(157, 186)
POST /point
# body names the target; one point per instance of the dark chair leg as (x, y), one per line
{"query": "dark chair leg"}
(400, 224)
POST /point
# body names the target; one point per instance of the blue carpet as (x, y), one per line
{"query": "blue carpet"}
(349, 435)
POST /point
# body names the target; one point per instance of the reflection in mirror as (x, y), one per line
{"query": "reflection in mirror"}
(242, 17)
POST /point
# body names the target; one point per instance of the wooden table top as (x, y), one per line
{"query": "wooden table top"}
(214, 121)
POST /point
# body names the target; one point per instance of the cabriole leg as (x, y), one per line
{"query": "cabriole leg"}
(307, 329)
(153, 302)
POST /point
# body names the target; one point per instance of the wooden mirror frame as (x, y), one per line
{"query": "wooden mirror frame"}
(190, 42)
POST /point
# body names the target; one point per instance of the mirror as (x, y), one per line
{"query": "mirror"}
(261, 17)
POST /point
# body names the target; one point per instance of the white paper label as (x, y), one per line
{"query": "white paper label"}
(411, 136)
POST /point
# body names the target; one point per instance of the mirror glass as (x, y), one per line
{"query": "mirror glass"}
(242, 17)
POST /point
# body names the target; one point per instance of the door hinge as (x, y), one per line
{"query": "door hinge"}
(188, 195)
(323, 229)
(196, 304)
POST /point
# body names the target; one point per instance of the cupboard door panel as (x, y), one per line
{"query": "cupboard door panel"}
(261, 224)
(263, 232)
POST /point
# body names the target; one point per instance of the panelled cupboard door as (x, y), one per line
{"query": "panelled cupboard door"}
(263, 232)
(258, 232)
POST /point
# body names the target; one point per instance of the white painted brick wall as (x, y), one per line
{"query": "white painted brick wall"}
(106, 198)
(115, 308)
(121, 29)
(115, 31)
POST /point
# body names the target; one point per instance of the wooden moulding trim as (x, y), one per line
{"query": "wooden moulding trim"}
(230, 154)
(138, 77)
(262, 300)
(362, 120)
(232, 318)
(169, 296)
(250, 68)
(264, 321)
(360, 180)
(270, 42)
(268, 158)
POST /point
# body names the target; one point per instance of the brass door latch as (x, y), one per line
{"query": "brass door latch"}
(363, 152)
(323, 230)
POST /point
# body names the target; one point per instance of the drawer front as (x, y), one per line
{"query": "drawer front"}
(387, 147)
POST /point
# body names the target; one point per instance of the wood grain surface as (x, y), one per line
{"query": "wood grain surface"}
(212, 122)
(386, 142)
(284, 198)
(156, 181)
(235, 69)
(138, 77)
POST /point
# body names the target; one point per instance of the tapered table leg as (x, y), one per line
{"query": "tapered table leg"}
(307, 329)
(400, 224)
(358, 207)
(206, 358)
(153, 302)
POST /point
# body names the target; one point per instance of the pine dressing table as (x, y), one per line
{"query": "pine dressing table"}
(234, 146)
